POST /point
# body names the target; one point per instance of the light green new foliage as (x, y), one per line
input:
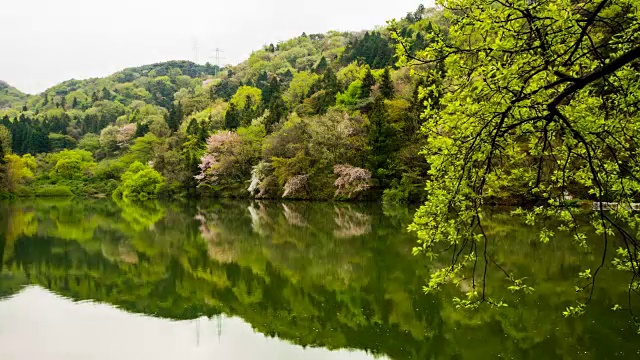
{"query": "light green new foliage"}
(70, 164)
(244, 92)
(140, 182)
(539, 98)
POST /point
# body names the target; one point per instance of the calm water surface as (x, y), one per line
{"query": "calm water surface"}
(251, 280)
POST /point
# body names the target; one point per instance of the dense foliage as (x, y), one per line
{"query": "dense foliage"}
(338, 276)
(539, 104)
(487, 102)
(276, 125)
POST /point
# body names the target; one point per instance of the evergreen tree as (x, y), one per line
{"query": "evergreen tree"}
(262, 82)
(46, 100)
(141, 129)
(74, 104)
(386, 85)
(175, 116)
(367, 83)
(106, 94)
(277, 110)
(322, 65)
(193, 128)
(24, 108)
(381, 139)
(63, 102)
(94, 97)
(271, 91)
(232, 118)
(248, 112)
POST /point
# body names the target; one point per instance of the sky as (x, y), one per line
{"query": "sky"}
(44, 42)
(37, 324)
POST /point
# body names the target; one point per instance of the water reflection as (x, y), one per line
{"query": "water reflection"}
(87, 330)
(335, 276)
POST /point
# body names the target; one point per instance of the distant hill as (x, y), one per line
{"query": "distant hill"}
(10, 96)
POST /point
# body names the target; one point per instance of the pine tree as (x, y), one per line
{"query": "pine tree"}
(74, 103)
(322, 65)
(367, 83)
(106, 94)
(193, 128)
(277, 110)
(386, 85)
(175, 116)
(271, 91)
(232, 118)
(381, 138)
(46, 100)
(248, 112)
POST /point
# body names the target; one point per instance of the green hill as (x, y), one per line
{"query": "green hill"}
(10, 96)
(295, 110)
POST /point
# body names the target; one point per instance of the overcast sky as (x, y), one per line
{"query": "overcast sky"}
(44, 42)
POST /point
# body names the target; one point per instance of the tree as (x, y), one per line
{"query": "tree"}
(106, 94)
(245, 93)
(6, 140)
(271, 91)
(276, 111)
(70, 164)
(60, 141)
(89, 142)
(322, 65)
(540, 100)
(19, 170)
(230, 156)
(175, 116)
(351, 96)
(248, 112)
(140, 182)
(232, 117)
(386, 85)
(368, 82)
(299, 87)
(381, 139)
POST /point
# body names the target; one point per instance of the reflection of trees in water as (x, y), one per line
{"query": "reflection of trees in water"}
(141, 215)
(350, 222)
(116, 247)
(260, 220)
(218, 249)
(312, 287)
(293, 217)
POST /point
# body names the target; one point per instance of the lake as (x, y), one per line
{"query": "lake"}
(96, 279)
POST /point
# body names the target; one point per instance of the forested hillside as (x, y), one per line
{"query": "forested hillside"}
(10, 96)
(320, 116)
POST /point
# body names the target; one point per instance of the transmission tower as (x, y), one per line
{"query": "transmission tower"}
(195, 50)
(217, 60)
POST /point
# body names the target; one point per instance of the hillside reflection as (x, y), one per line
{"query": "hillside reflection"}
(339, 276)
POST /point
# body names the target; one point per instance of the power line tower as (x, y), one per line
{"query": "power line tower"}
(195, 50)
(217, 60)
